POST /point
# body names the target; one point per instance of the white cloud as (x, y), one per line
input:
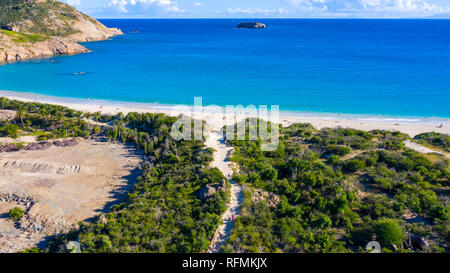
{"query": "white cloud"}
(375, 8)
(140, 7)
(278, 8)
(73, 2)
(342, 8)
(255, 11)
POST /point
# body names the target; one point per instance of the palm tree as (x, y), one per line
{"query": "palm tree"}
(97, 116)
(20, 114)
(44, 112)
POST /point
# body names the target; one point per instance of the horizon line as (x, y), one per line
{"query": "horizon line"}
(274, 18)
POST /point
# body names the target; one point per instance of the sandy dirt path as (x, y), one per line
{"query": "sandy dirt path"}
(223, 232)
(422, 149)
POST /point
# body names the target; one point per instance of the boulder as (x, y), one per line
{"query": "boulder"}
(102, 219)
(416, 241)
(8, 148)
(38, 146)
(209, 191)
(7, 114)
(206, 192)
(65, 143)
(73, 247)
(272, 199)
(11, 27)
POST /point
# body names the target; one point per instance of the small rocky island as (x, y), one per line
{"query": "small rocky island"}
(251, 25)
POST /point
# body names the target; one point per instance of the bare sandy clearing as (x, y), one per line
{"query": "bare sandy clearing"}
(66, 184)
(24, 139)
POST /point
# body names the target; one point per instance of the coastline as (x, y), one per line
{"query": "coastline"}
(411, 126)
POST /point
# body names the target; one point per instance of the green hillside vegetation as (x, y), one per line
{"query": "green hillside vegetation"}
(331, 203)
(24, 38)
(39, 18)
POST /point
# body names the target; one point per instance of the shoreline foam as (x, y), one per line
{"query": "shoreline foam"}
(409, 125)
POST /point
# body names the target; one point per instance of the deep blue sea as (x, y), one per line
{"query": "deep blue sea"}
(370, 67)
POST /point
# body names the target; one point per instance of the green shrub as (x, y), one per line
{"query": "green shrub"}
(334, 160)
(338, 150)
(10, 130)
(354, 165)
(361, 236)
(15, 213)
(388, 232)
(31, 250)
(439, 211)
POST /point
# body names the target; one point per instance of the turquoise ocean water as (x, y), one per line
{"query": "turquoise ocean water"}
(383, 68)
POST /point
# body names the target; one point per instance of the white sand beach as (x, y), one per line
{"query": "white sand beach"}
(410, 126)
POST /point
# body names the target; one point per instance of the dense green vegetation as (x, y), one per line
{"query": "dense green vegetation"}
(339, 188)
(45, 121)
(32, 17)
(15, 213)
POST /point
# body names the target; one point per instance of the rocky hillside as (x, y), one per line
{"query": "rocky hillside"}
(39, 28)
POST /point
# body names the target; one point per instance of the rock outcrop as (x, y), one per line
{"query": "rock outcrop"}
(42, 28)
(251, 25)
(12, 52)
(11, 27)
(44, 145)
(209, 191)
(7, 114)
(272, 199)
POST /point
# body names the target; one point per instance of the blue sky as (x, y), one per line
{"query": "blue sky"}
(263, 8)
